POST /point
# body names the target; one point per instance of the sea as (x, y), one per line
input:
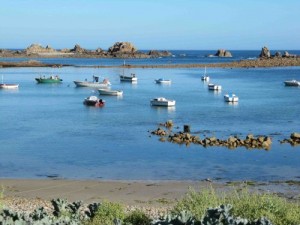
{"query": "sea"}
(47, 131)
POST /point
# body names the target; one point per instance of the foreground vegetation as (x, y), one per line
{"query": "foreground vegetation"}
(238, 207)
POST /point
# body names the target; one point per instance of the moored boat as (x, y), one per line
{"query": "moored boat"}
(131, 78)
(205, 77)
(161, 101)
(163, 81)
(110, 92)
(214, 87)
(93, 84)
(231, 98)
(294, 83)
(93, 101)
(48, 80)
(8, 86)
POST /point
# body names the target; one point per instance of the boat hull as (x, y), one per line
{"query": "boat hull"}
(110, 92)
(9, 86)
(214, 87)
(292, 83)
(162, 102)
(48, 80)
(160, 81)
(90, 84)
(128, 78)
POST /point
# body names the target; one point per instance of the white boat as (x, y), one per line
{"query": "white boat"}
(214, 87)
(93, 84)
(93, 101)
(110, 92)
(292, 83)
(205, 77)
(163, 81)
(8, 86)
(131, 78)
(231, 98)
(161, 101)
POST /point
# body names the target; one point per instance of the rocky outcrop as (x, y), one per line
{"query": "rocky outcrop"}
(265, 53)
(37, 48)
(278, 54)
(155, 53)
(250, 142)
(78, 49)
(223, 53)
(293, 140)
(122, 47)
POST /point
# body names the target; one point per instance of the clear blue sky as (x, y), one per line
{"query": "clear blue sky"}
(151, 24)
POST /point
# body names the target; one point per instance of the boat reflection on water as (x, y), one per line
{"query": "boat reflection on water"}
(235, 104)
(159, 109)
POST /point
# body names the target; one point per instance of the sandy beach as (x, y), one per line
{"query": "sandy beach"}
(152, 196)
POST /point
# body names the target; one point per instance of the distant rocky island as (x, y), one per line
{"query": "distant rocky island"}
(128, 50)
(118, 50)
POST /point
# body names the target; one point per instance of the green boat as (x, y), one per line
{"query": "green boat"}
(48, 80)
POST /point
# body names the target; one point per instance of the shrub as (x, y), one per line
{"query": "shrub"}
(245, 204)
(107, 213)
(137, 217)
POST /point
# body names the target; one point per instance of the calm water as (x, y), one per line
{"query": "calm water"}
(46, 130)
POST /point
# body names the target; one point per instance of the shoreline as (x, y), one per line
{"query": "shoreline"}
(142, 193)
(257, 63)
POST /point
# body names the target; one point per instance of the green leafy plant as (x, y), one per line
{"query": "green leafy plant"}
(137, 217)
(107, 213)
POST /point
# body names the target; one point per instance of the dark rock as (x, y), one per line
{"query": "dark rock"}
(122, 47)
(278, 54)
(265, 53)
(223, 53)
(154, 53)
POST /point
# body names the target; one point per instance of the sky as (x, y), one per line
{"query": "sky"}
(152, 24)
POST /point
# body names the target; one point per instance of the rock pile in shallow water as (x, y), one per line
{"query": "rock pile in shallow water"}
(293, 140)
(250, 142)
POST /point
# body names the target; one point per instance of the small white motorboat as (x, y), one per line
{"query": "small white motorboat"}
(93, 101)
(131, 78)
(93, 84)
(294, 83)
(8, 86)
(205, 77)
(214, 87)
(163, 81)
(161, 101)
(231, 98)
(110, 92)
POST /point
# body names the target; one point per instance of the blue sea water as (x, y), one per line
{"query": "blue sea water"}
(47, 131)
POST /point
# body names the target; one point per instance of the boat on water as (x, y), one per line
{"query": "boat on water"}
(8, 86)
(131, 78)
(93, 84)
(49, 80)
(205, 77)
(93, 101)
(110, 92)
(161, 101)
(231, 98)
(214, 87)
(293, 83)
(163, 81)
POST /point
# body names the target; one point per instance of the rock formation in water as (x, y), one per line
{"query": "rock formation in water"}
(155, 53)
(37, 49)
(223, 53)
(265, 53)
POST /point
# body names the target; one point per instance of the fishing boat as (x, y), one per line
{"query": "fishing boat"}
(48, 80)
(205, 77)
(214, 87)
(93, 101)
(163, 81)
(231, 98)
(110, 92)
(294, 83)
(131, 78)
(161, 101)
(8, 86)
(93, 84)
